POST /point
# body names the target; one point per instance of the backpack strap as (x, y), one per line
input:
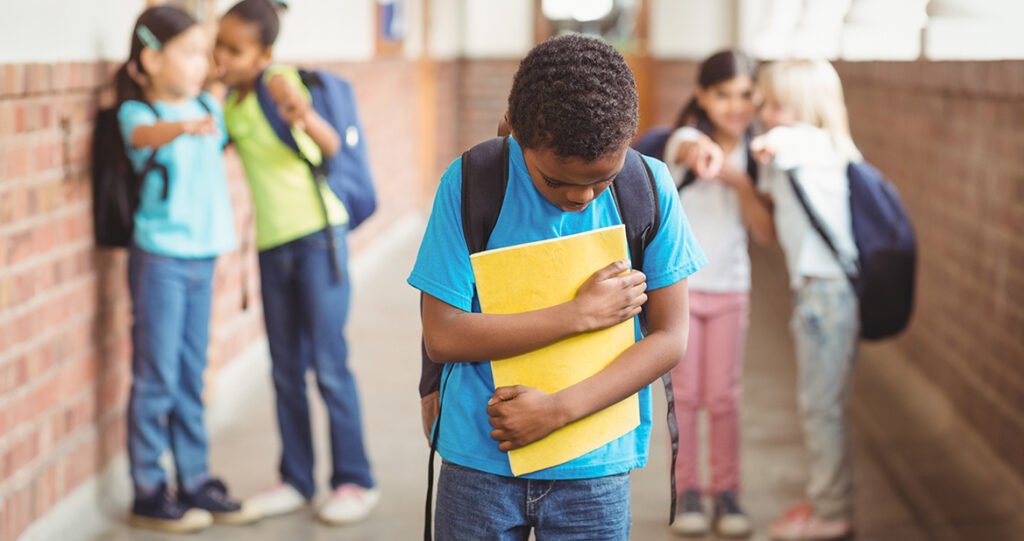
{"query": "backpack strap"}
(152, 164)
(850, 268)
(636, 194)
(484, 180)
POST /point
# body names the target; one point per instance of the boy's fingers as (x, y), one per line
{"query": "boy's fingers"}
(610, 270)
(633, 278)
(502, 394)
(499, 434)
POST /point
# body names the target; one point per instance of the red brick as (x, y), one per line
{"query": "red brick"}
(14, 79)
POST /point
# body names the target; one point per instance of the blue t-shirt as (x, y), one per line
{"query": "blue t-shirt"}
(443, 270)
(195, 220)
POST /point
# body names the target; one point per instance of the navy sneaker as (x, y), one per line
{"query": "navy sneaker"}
(162, 512)
(690, 520)
(212, 496)
(730, 520)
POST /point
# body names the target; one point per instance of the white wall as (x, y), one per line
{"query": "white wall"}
(691, 29)
(497, 28)
(66, 30)
(324, 30)
(445, 39)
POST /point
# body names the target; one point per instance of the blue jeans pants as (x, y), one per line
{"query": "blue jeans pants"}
(170, 330)
(305, 308)
(472, 504)
(826, 328)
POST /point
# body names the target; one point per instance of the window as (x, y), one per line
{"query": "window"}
(613, 20)
(391, 26)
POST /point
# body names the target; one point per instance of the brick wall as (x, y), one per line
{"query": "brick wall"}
(483, 98)
(950, 135)
(64, 308)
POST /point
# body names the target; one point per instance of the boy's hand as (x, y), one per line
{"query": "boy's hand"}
(522, 415)
(292, 105)
(199, 126)
(610, 297)
(762, 150)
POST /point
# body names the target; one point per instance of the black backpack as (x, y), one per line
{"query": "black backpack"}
(115, 183)
(484, 179)
(883, 274)
(116, 186)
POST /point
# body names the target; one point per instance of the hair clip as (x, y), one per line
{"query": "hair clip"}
(147, 37)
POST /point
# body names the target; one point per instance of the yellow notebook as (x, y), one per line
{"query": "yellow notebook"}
(538, 275)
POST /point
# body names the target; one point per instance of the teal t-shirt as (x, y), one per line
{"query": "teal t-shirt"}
(443, 270)
(195, 220)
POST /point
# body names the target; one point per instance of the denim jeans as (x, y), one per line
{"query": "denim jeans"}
(170, 330)
(472, 504)
(826, 329)
(305, 308)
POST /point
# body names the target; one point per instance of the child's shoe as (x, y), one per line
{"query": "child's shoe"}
(349, 503)
(800, 524)
(279, 500)
(162, 512)
(212, 496)
(691, 520)
(730, 520)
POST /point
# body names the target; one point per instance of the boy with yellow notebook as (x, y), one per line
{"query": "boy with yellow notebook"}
(572, 111)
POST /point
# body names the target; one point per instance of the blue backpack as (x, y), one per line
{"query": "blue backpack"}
(347, 172)
(883, 274)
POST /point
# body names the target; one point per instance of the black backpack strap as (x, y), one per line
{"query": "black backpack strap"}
(849, 267)
(484, 180)
(752, 168)
(636, 194)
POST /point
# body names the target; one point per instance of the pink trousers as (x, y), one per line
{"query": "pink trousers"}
(708, 378)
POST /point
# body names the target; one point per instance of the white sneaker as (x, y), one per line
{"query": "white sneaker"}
(349, 503)
(691, 520)
(278, 500)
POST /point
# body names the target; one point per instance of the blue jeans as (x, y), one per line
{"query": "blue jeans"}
(170, 330)
(472, 504)
(826, 330)
(305, 309)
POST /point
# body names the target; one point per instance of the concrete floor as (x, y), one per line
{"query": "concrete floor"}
(896, 498)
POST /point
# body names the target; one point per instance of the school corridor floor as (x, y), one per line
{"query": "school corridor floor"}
(921, 475)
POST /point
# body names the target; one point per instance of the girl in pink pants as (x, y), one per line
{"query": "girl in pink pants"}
(709, 156)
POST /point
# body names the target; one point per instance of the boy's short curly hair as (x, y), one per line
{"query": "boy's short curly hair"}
(575, 96)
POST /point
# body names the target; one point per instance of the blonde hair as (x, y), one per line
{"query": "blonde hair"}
(812, 88)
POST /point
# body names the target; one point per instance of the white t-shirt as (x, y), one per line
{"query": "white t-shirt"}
(714, 212)
(821, 171)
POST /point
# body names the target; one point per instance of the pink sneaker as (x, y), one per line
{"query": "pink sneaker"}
(800, 524)
(349, 503)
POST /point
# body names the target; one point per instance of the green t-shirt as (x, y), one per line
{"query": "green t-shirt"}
(284, 201)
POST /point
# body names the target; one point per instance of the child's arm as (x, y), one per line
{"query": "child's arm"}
(703, 156)
(161, 133)
(607, 298)
(522, 415)
(756, 210)
(296, 111)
